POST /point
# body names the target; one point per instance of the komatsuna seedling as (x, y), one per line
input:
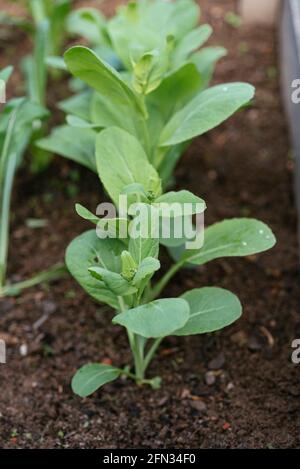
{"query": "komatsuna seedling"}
(137, 98)
(119, 271)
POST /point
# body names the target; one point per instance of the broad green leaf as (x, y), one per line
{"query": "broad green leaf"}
(169, 162)
(83, 63)
(205, 61)
(114, 281)
(180, 201)
(189, 43)
(121, 161)
(78, 105)
(206, 111)
(146, 269)
(76, 144)
(211, 309)
(232, 238)
(91, 377)
(174, 231)
(159, 318)
(181, 84)
(87, 250)
(105, 113)
(77, 122)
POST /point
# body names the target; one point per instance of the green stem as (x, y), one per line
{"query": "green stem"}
(55, 273)
(151, 352)
(8, 163)
(139, 357)
(165, 279)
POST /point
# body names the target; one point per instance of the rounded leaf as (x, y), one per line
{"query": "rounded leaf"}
(211, 309)
(159, 318)
(91, 377)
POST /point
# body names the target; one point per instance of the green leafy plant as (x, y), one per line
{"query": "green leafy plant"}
(145, 32)
(165, 126)
(157, 48)
(119, 271)
(17, 124)
(46, 27)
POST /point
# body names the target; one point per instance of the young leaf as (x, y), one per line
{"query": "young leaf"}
(113, 226)
(211, 309)
(129, 266)
(88, 23)
(232, 238)
(159, 318)
(146, 269)
(142, 241)
(114, 281)
(192, 41)
(76, 144)
(121, 161)
(206, 111)
(184, 18)
(86, 65)
(91, 377)
(87, 250)
(205, 61)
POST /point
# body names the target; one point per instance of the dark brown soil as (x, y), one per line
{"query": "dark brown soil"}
(252, 400)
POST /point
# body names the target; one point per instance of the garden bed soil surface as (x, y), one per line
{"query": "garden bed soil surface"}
(234, 389)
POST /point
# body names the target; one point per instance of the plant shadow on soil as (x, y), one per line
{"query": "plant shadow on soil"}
(234, 389)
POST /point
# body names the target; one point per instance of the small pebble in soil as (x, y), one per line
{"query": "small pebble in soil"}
(254, 344)
(226, 426)
(229, 387)
(49, 307)
(210, 378)
(240, 338)
(23, 350)
(217, 362)
(200, 406)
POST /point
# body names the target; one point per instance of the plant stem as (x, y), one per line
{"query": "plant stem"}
(151, 352)
(54, 273)
(139, 357)
(165, 280)
(8, 163)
